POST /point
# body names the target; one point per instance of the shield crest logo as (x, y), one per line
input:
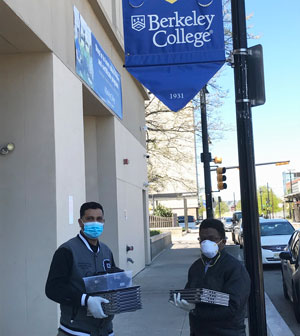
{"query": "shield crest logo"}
(171, 1)
(138, 22)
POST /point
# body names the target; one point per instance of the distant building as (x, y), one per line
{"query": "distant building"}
(291, 187)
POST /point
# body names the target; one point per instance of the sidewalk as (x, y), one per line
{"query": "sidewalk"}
(168, 271)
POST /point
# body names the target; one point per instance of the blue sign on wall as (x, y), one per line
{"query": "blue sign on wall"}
(95, 67)
(173, 47)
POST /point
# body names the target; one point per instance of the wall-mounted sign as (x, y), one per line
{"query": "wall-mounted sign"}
(173, 47)
(95, 67)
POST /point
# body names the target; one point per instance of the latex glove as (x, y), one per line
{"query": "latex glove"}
(95, 307)
(183, 304)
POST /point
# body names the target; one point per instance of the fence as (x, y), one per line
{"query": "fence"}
(162, 222)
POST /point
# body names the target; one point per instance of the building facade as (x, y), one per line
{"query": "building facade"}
(291, 187)
(70, 146)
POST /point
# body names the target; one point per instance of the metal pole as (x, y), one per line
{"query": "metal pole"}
(234, 201)
(261, 202)
(196, 161)
(186, 224)
(291, 181)
(268, 201)
(206, 156)
(251, 229)
(272, 203)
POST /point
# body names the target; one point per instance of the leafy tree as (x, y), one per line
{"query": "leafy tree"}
(268, 202)
(162, 211)
(239, 206)
(224, 208)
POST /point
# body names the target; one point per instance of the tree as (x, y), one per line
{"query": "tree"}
(224, 209)
(238, 206)
(268, 202)
(162, 211)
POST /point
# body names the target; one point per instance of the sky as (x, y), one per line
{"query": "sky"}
(276, 124)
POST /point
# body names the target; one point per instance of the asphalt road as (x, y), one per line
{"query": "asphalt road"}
(273, 287)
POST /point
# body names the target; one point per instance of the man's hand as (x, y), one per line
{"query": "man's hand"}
(95, 307)
(183, 304)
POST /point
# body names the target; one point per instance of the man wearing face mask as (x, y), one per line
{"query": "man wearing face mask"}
(79, 257)
(219, 271)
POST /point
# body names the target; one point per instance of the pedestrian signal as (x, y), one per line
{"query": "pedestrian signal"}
(221, 178)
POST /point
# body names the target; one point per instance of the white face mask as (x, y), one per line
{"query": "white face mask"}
(209, 248)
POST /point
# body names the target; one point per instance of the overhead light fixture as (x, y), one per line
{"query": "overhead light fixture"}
(7, 148)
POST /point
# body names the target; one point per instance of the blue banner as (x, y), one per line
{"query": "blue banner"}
(95, 67)
(173, 47)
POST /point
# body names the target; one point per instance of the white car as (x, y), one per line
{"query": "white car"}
(275, 235)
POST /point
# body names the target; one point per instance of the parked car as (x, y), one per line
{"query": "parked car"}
(191, 222)
(228, 225)
(291, 273)
(275, 234)
(237, 215)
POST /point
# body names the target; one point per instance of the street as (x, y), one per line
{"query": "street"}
(273, 287)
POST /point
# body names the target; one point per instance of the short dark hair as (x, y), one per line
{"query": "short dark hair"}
(90, 205)
(215, 224)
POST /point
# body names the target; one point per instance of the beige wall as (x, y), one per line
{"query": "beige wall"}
(35, 100)
(68, 146)
(52, 22)
(130, 185)
(69, 149)
(118, 187)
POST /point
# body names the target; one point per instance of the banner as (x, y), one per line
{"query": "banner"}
(173, 47)
(95, 67)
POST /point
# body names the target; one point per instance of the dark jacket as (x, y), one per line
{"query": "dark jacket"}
(227, 275)
(72, 261)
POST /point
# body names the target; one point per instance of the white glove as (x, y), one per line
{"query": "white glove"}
(183, 304)
(95, 307)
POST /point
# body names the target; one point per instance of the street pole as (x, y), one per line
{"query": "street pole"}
(251, 229)
(272, 203)
(185, 211)
(268, 201)
(261, 202)
(206, 156)
(196, 162)
(234, 201)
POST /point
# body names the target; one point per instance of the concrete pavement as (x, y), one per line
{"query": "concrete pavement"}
(169, 271)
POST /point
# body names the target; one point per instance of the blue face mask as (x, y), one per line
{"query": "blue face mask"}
(93, 230)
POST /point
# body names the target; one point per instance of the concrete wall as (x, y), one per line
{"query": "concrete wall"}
(159, 243)
(130, 184)
(52, 22)
(36, 94)
(118, 187)
(68, 148)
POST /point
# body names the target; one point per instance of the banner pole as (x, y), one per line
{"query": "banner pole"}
(251, 229)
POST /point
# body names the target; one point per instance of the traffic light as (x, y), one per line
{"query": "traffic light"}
(217, 159)
(221, 178)
(281, 163)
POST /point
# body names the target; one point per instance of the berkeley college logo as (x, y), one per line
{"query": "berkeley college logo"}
(138, 22)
